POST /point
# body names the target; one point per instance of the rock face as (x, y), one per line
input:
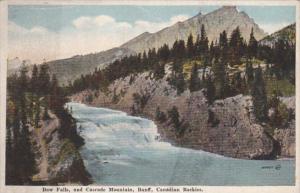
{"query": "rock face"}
(59, 161)
(226, 18)
(226, 127)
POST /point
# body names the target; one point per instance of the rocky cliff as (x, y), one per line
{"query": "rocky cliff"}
(226, 127)
(59, 161)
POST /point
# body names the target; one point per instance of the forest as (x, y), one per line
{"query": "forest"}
(236, 66)
(31, 98)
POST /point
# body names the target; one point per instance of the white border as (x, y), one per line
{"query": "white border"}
(224, 189)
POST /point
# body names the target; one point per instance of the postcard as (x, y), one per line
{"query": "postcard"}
(149, 96)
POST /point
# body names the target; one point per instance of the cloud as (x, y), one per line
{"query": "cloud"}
(273, 27)
(86, 35)
(88, 22)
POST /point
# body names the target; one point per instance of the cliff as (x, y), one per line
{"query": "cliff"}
(59, 161)
(226, 127)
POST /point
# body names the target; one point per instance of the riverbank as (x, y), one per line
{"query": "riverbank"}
(226, 127)
(58, 159)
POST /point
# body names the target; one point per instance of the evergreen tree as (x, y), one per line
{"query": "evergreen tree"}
(259, 96)
(223, 40)
(34, 79)
(223, 45)
(194, 79)
(235, 44)
(203, 44)
(44, 80)
(164, 52)
(180, 83)
(220, 79)
(249, 72)
(210, 90)
(174, 118)
(253, 45)
(190, 47)
(160, 116)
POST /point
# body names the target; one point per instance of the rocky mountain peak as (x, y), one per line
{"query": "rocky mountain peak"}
(225, 18)
(228, 8)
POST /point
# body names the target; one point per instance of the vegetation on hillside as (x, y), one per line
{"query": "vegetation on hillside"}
(29, 101)
(225, 68)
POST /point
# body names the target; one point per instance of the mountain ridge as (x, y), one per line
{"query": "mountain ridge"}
(227, 18)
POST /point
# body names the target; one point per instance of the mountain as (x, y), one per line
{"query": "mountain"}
(288, 34)
(71, 68)
(226, 18)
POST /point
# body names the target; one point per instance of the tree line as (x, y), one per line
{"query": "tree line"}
(228, 51)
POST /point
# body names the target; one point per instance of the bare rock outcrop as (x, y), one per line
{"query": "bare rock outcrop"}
(59, 161)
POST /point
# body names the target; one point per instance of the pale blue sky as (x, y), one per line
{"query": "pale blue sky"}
(52, 32)
(57, 17)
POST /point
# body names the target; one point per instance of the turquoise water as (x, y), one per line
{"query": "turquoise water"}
(125, 150)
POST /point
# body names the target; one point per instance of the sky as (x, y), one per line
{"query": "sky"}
(40, 33)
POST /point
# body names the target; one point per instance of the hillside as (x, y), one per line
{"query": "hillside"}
(71, 68)
(287, 34)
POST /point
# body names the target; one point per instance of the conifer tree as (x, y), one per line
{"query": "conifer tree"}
(194, 79)
(220, 78)
(249, 72)
(253, 45)
(174, 118)
(190, 46)
(259, 96)
(34, 79)
(210, 90)
(203, 44)
(235, 44)
(44, 79)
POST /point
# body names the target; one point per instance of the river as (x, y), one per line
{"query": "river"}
(125, 150)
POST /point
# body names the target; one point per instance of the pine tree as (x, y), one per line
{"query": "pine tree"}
(44, 80)
(180, 83)
(194, 79)
(190, 47)
(210, 90)
(259, 96)
(249, 72)
(174, 118)
(203, 44)
(34, 79)
(235, 44)
(253, 45)
(220, 79)
(223, 46)
(223, 40)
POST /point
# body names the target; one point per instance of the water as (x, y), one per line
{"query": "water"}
(125, 150)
